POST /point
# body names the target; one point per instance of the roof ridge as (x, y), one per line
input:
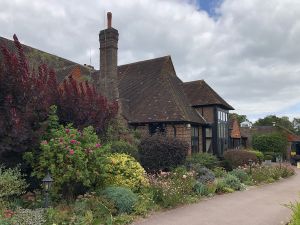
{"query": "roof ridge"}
(179, 102)
(172, 92)
(27, 46)
(146, 60)
(193, 81)
(220, 98)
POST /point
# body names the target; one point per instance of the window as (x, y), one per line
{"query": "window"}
(157, 128)
(195, 139)
(222, 116)
(208, 132)
(208, 140)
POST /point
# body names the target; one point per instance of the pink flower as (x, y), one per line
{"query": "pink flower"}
(61, 140)
(44, 142)
(71, 152)
(73, 141)
(8, 213)
(98, 145)
(67, 131)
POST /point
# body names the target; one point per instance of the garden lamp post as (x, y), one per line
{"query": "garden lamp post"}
(250, 162)
(280, 161)
(47, 182)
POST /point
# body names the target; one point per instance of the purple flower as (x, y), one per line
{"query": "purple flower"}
(98, 145)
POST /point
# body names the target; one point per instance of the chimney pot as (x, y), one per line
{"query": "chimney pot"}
(109, 17)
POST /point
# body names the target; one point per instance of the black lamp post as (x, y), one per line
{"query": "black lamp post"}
(47, 182)
(280, 160)
(250, 161)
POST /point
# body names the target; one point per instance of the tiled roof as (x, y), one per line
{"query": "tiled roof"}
(152, 92)
(201, 94)
(62, 67)
(149, 90)
(248, 132)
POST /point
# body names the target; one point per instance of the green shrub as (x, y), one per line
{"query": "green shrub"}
(286, 171)
(73, 158)
(211, 187)
(261, 174)
(269, 156)
(238, 158)
(259, 155)
(123, 198)
(124, 171)
(274, 142)
(233, 182)
(242, 175)
(90, 208)
(162, 153)
(295, 213)
(219, 172)
(145, 202)
(226, 164)
(204, 175)
(61, 214)
(172, 188)
(202, 160)
(222, 187)
(124, 147)
(268, 174)
(201, 189)
(29, 217)
(12, 183)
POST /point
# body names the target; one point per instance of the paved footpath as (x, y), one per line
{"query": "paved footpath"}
(263, 205)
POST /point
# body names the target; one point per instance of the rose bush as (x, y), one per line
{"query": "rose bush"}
(73, 157)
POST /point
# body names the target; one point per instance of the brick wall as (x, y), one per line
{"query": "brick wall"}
(182, 133)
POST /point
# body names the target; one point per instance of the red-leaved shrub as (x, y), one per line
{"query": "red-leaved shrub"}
(26, 96)
(162, 153)
(238, 158)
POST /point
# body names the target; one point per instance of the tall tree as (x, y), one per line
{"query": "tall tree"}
(240, 118)
(80, 104)
(26, 96)
(296, 124)
(271, 119)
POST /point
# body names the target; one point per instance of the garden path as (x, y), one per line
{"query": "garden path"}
(263, 205)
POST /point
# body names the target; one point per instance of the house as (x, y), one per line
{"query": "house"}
(151, 97)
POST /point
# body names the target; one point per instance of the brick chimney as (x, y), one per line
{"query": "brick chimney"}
(109, 60)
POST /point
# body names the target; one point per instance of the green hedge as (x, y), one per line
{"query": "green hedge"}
(274, 142)
(202, 160)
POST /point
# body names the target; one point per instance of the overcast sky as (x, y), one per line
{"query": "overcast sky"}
(247, 50)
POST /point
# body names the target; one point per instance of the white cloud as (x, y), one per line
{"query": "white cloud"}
(249, 55)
